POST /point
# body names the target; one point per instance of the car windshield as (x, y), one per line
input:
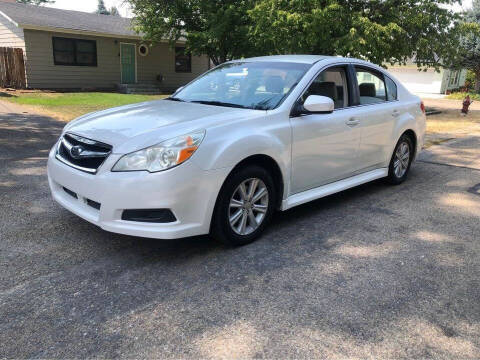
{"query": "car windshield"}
(249, 85)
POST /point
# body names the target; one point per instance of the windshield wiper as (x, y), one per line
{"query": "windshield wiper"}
(174, 99)
(219, 103)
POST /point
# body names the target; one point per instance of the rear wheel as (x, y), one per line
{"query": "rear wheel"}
(401, 160)
(244, 206)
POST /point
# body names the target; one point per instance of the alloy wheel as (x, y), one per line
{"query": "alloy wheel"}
(402, 160)
(248, 206)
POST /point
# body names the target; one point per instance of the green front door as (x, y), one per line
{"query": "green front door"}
(127, 56)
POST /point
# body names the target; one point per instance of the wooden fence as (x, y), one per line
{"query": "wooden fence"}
(12, 68)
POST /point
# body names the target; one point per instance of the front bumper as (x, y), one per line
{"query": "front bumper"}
(188, 191)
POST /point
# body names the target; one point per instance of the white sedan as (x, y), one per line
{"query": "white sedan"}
(243, 140)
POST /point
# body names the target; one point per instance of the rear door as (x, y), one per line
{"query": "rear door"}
(376, 114)
(325, 146)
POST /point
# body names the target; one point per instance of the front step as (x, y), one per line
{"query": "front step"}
(144, 89)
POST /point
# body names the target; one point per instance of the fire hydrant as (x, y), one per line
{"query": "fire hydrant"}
(466, 104)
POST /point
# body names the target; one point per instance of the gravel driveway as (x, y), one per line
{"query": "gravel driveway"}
(376, 271)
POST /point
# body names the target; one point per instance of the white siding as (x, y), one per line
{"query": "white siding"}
(453, 79)
(43, 73)
(10, 34)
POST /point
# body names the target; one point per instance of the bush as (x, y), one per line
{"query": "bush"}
(470, 81)
(462, 95)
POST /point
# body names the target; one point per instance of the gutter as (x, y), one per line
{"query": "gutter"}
(77, 31)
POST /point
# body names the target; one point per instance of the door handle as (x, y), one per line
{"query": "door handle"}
(396, 113)
(352, 122)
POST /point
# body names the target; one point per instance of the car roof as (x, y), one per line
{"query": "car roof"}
(306, 59)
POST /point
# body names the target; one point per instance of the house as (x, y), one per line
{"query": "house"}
(66, 49)
(430, 81)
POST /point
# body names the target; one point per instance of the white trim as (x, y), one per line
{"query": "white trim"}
(85, 32)
(329, 189)
(9, 18)
(136, 63)
(78, 32)
(146, 47)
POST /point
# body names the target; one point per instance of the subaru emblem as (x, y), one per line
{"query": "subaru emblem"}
(76, 151)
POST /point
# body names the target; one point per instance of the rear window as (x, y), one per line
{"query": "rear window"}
(391, 89)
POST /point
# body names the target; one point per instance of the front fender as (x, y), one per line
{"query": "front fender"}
(226, 148)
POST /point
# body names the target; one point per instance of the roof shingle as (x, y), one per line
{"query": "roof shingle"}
(44, 17)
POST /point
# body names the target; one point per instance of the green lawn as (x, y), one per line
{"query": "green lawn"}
(461, 96)
(67, 106)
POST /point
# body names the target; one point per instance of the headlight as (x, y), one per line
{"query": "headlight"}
(162, 156)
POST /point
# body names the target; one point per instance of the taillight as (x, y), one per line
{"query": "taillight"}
(422, 107)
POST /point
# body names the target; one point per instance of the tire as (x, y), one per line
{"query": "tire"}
(233, 229)
(398, 169)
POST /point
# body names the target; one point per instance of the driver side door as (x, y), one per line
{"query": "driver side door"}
(325, 146)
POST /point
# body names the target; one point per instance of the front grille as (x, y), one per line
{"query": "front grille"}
(82, 153)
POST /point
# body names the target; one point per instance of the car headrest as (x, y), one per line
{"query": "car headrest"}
(368, 89)
(326, 88)
(274, 84)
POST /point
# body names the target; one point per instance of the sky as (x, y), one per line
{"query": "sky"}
(91, 5)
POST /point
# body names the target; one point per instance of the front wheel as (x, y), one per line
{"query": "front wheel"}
(401, 160)
(244, 206)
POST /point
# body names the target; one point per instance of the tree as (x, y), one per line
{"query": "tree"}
(217, 28)
(36, 2)
(381, 31)
(101, 9)
(114, 11)
(468, 55)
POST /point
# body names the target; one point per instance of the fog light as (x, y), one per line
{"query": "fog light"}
(149, 215)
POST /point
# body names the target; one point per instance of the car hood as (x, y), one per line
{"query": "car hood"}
(132, 127)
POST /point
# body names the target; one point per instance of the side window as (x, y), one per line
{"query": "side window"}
(331, 83)
(391, 89)
(371, 86)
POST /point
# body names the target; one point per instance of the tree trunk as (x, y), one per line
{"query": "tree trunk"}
(477, 81)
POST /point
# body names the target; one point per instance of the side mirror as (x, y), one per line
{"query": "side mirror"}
(316, 104)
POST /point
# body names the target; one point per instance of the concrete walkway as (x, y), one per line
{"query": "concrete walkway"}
(10, 108)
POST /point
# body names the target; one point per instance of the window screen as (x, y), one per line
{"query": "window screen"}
(183, 60)
(371, 86)
(331, 83)
(74, 52)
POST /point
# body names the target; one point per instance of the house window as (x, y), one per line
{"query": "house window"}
(454, 77)
(183, 60)
(74, 52)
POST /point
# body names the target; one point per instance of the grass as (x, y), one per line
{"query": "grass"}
(461, 96)
(67, 106)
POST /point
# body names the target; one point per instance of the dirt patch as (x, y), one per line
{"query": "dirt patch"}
(450, 123)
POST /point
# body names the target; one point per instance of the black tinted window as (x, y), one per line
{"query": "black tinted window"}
(74, 52)
(183, 60)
